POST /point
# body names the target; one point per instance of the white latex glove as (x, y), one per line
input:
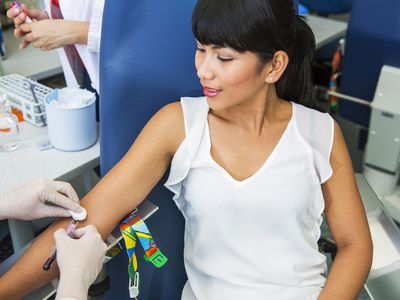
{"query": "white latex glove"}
(79, 260)
(39, 199)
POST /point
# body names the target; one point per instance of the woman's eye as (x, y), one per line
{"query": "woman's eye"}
(201, 50)
(225, 59)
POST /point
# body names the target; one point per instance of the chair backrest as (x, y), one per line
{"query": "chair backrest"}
(328, 7)
(372, 40)
(147, 61)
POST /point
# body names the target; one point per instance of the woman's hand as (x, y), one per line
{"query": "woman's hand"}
(19, 18)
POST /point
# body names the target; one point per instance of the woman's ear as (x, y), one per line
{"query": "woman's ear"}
(278, 66)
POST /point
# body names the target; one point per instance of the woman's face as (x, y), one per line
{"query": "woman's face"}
(228, 77)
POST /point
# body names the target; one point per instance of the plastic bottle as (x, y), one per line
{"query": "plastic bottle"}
(9, 131)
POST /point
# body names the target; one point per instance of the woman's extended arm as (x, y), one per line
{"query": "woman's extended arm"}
(348, 223)
(119, 192)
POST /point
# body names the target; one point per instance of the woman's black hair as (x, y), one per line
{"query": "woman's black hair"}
(263, 27)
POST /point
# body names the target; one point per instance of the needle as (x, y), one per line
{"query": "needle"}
(71, 232)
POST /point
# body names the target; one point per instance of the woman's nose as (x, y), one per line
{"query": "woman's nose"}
(204, 70)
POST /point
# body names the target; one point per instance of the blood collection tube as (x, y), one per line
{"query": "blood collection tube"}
(50, 260)
(17, 5)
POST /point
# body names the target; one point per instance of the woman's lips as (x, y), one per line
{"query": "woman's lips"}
(209, 92)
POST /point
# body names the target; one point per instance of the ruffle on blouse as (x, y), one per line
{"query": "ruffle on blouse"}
(317, 130)
(322, 166)
(195, 112)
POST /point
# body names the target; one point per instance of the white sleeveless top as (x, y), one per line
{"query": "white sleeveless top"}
(256, 238)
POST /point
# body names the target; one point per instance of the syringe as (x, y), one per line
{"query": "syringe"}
(17, 5)
(50, 260)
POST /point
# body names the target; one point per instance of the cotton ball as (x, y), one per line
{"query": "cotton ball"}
(79, 216)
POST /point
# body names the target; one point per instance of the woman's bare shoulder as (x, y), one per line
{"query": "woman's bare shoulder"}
(169, 121)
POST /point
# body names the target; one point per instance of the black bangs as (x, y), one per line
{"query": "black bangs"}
(230, 23)
(262, 27)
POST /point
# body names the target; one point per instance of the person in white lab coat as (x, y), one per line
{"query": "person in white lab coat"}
(81, 27)
(81, 259)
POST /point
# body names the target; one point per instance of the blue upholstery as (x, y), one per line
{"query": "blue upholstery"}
(372, 40)
(302, 10)
(147, 61)
(328, 6)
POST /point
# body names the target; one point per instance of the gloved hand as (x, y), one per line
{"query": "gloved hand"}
(39, 199)
(79, 260)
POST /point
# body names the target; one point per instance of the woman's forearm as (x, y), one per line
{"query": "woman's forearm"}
(78, 32)
(27, 274)
(349, 271)
(119, 192)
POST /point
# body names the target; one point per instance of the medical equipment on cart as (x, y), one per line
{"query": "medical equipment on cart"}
(51, 259)
(27, 96)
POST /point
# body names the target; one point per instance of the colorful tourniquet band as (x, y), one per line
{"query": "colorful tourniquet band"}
(133, 228)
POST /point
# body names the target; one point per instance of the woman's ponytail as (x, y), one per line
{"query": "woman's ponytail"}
(296, 82)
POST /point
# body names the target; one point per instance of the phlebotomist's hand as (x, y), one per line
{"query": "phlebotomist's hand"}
(80, 260)
(39, 199)
(19, 18)
(52, 34)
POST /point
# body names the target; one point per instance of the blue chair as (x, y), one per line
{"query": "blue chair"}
(302, 10)
(147, 61)
(372, 40)
(325, 7)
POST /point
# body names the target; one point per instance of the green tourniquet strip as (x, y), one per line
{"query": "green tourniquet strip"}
(133, 228)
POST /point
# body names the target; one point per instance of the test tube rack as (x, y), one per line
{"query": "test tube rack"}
(17, 90)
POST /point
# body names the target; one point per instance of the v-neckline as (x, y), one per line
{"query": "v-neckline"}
(266, 161)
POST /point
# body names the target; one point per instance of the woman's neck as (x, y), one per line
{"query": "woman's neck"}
(253, 115)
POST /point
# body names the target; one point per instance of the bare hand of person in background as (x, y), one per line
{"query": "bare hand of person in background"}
(20, 17)
(44, 33)
(52, 34)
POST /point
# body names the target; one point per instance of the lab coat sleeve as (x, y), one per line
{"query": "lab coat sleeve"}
(94, 34)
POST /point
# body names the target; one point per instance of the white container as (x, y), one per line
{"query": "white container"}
(71, 128)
